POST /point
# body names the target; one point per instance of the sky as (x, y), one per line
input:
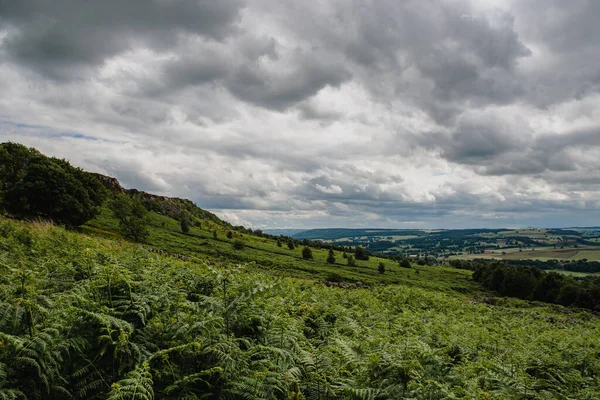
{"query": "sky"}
(328, 113)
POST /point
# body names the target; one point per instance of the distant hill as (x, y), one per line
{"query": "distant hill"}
(284, 232)
(341, 233)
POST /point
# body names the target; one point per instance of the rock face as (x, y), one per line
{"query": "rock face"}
(109, 182)
(173, 207)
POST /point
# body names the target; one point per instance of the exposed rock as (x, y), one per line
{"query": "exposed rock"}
(173, 207)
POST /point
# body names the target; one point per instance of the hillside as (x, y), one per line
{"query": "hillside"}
(94, 318)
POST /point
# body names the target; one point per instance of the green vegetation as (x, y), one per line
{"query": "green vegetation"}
(33, 185)
(132, 216)
(94, 318)
(185, 225)
(331, 257)
(307, 253)
(533, 284)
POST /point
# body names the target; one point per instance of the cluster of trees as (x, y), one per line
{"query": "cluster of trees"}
(33, 185)
(573, 266)
(533, 284)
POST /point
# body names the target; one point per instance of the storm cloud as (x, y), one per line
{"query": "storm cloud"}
(429, 113)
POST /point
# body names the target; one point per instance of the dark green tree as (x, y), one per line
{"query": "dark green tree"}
(331, 257)
(185, 225)
(215, 234)
(238, 244)
(132, 216)
(291, 245)
(404, 263)
(279, 243)
(381, 267)
(351, 261)
(307, 253)
(229, 234)
(360, 254)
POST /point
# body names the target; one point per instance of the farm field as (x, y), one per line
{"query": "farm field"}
(542, 254)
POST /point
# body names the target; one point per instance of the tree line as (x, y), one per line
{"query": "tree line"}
(530, 283)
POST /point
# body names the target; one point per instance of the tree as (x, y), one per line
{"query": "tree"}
(229, 234)
(404, 263)
(351, 261)
(215, 234)
(307, 253)
(238, 244)
(279, 243)
(185, 225)
(360, 254)
(331, 257)
(381, 267)
(291, 245)
(132, 216)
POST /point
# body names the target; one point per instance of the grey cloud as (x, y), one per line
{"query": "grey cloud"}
(50, 36)
(289, 80)
(456, 59)
(312, 112)
(475, 141)
(548, 152)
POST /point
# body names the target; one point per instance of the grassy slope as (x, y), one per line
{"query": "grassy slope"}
(265, 255)
(391, 340)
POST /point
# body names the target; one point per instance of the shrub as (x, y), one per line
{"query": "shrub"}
(360, 254)
(331, 257)
(238, 244)
(307, 253)
(185, 225)
(351, 261)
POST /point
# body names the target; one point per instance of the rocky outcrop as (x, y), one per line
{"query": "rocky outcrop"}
(173, 207)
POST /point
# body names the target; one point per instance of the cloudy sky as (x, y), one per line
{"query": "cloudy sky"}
(328, 113)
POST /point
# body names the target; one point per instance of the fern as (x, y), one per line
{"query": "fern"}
(137, 385)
